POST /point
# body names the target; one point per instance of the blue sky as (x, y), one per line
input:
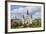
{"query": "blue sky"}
(35, 11)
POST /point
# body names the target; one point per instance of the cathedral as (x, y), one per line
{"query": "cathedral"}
(26, 19)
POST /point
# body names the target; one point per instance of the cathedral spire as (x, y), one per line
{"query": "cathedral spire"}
(23, 16)
(27, 12)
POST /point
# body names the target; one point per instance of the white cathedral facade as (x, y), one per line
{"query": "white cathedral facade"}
(26, 18)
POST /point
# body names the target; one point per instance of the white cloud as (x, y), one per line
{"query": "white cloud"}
(21, 9)
(24, 10)
(14, 10)
(36, 15)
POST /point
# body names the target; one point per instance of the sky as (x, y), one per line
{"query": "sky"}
(35, 11)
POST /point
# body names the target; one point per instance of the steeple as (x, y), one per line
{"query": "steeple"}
(23, 16)
(31, 16)
(27, 12)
